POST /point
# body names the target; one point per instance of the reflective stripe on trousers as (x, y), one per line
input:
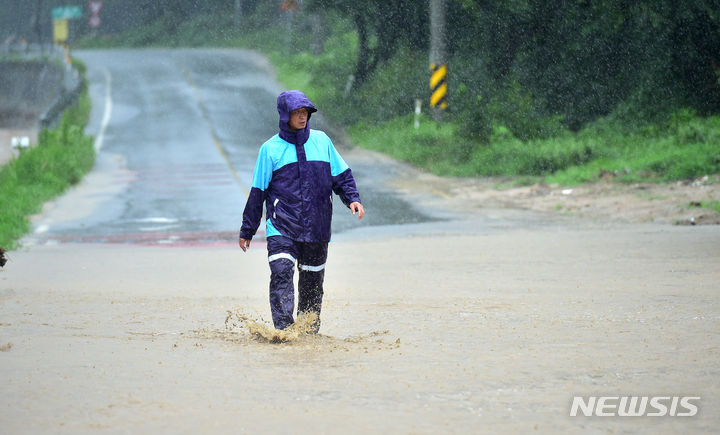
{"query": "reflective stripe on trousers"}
(311, 258)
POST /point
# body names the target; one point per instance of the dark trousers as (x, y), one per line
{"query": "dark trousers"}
(310, 258)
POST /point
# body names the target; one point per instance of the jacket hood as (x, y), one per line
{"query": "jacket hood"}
(286, 103)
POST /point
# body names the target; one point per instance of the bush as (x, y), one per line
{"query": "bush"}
(523, 114)
(508, 156)
(392, 89)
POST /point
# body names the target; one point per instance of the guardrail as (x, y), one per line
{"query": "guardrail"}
(72, 88)
(13, 49)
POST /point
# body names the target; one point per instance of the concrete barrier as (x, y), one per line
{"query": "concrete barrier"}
(33, 95)
(34, 92)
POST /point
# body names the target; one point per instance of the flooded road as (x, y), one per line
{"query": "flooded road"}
(478, 333)
(458, 320)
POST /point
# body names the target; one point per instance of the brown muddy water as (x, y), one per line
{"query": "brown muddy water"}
(481, 333)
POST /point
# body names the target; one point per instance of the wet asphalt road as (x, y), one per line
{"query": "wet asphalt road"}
(178, 132)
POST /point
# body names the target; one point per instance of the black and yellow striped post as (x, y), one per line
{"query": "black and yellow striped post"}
(438, 87)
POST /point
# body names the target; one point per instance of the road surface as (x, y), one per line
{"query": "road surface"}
(178, 133)
(126, 310)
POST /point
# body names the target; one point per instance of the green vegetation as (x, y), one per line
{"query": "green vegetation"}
(571, 158)
(711, 205)
(61, 158)
(538, 92)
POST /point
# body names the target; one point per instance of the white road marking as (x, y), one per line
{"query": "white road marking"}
(157, 229)
(107, 111)
(156, 220)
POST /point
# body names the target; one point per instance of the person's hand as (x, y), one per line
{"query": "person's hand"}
(244, 244)
(356, 207)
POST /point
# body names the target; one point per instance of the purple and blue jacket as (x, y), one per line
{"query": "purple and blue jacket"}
(295, 175)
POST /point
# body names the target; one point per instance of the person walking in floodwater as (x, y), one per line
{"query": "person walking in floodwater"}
(296, 172)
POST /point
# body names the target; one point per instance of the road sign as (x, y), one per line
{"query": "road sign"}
(60, 30)
(67, 12)
(290, 5)
(438, 86)
(94, 21)
(95, 7)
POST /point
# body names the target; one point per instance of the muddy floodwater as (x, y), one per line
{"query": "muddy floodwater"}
(490, 331)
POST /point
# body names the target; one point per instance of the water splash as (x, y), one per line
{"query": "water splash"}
(304, 326)
(240, 327)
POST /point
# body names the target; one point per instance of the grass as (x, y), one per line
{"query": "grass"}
(710, 205)
(62, 156)
(430, 146)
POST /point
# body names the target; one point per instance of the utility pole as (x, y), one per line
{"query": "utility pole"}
(38, 23)
(238, 13)
(438, 59)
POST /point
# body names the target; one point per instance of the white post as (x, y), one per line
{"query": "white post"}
(418, 110)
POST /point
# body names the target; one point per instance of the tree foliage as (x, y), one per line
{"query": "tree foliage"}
(538, 66)
(381, 27)
(532, 66)
(585, 59)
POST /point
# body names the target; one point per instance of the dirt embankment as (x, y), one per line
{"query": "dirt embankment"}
(681, 202)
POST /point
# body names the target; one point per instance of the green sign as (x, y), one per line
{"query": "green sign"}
(67, 12)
